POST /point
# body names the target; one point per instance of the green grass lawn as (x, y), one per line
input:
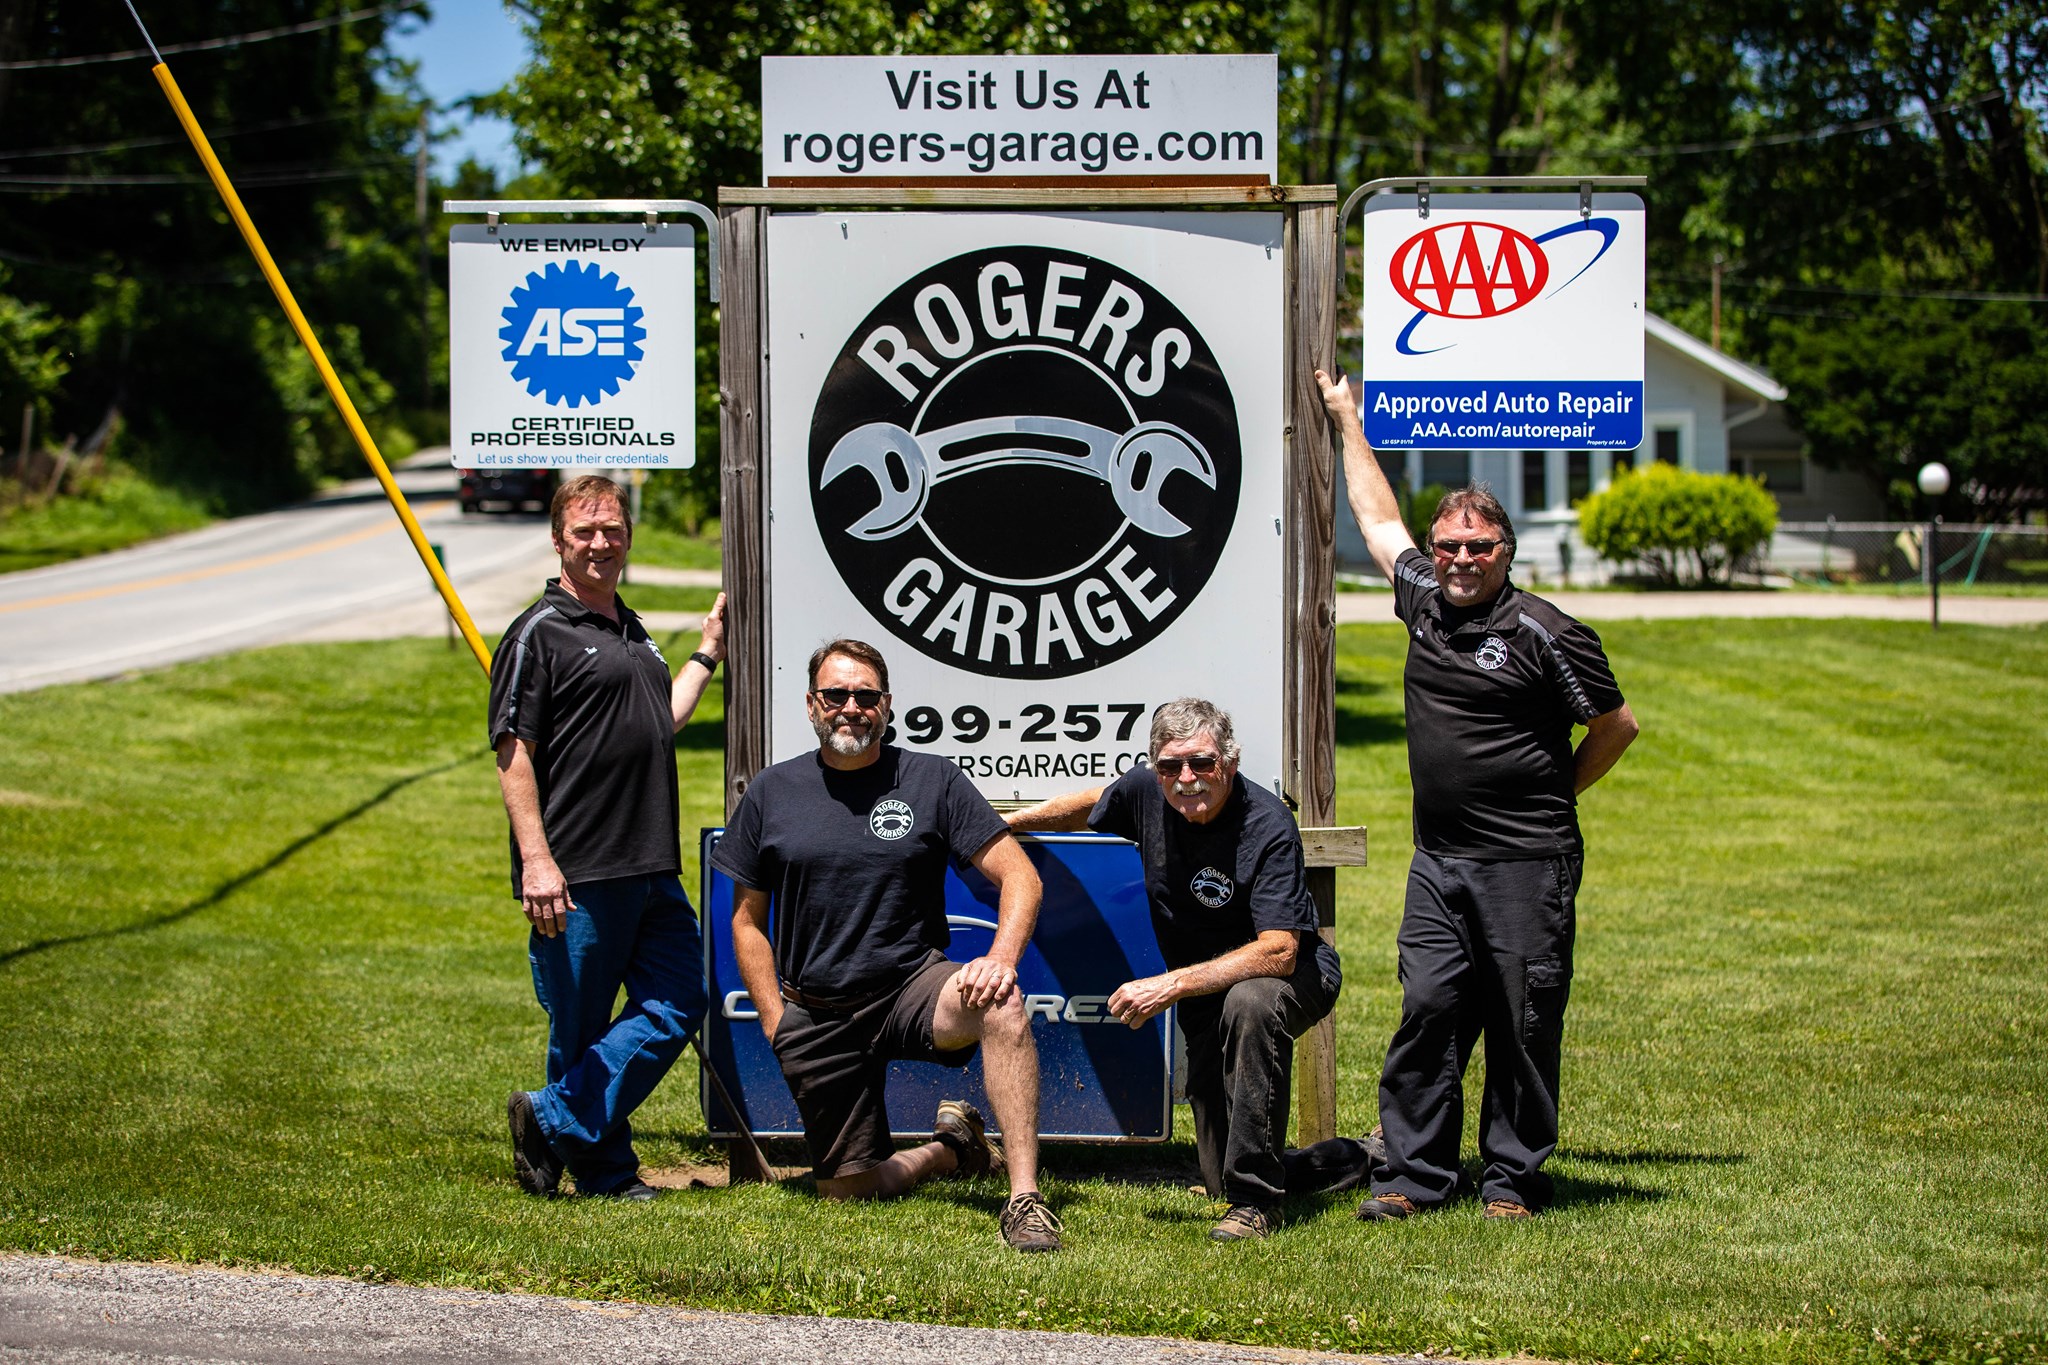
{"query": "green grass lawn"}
(121, 509)
(263, 993)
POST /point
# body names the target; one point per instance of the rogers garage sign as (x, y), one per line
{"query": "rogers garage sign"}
(1503, 322)
(1036, 460)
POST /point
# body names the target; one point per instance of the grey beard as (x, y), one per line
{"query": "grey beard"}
(845, 744)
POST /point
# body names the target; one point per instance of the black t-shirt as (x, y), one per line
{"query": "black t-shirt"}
(855, 864)
(592, 696)
(1492, 695)
(1217, 886)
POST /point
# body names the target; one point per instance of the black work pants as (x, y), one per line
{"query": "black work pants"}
(1485, 947)
(1240, 1063)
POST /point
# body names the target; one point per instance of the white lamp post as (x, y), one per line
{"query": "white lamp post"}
(1933, 483)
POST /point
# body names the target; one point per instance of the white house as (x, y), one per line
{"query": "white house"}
(1703, 410)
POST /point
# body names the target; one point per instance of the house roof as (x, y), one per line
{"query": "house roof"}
(1748, 378)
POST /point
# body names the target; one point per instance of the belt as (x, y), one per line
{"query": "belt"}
(831, 1004)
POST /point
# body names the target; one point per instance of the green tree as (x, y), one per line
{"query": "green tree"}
(169, 333)
(654, 99)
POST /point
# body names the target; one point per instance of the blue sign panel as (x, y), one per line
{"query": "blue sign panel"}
(1099, 1081)
(1550, 414)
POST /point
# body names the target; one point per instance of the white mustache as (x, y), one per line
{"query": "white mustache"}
(1197, 787)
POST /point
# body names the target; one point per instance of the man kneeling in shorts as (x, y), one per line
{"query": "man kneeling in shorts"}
(849, 847)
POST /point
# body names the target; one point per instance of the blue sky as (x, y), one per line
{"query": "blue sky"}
(469, 47)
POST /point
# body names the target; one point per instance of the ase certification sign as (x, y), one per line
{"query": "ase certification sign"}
(1503, 322)
(1036, 459)
(572, 344)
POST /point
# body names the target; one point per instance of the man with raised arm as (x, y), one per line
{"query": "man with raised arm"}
(1245, 964)
(584, 715)
(838, 860)
(1496, 680)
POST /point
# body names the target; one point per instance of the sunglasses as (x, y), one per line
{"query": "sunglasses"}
(866, 698)
(1448, 549)
(1201, 765)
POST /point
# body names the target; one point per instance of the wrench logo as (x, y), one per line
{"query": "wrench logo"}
(1025, 462)
(1135, 465)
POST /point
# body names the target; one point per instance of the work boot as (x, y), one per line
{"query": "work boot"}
(1029, 1224)
(1508, 1208)
(534, 1163)
(958, 1129)
(1244, 1223)
(1383, 1208)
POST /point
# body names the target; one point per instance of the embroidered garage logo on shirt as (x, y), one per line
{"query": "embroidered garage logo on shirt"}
(1212, 888)
(891, 819)
(1492, 653)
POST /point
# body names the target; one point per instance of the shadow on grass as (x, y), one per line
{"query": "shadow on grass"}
(237, 882)
(1600, 1158)
(1376, 727)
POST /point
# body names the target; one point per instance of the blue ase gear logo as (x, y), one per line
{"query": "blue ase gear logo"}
(572, 333)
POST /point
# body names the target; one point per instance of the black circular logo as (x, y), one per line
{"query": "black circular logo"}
(1025, 462)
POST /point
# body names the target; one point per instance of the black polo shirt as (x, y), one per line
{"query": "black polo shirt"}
(854, 862)
(1492, 695)
(592, 696)
(1216, 886)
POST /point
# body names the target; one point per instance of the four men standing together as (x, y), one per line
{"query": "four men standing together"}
(839, 857)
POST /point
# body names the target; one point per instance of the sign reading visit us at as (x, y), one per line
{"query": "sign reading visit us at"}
(1036, 460)
(572, 344)
(1211, 120)
(1503, 322)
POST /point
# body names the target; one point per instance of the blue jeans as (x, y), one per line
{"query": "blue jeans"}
(638, 933)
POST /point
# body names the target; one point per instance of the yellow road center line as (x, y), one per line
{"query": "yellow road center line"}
(193, 575)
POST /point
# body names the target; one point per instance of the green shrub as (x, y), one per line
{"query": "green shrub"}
(1679, 524)
(1418, 509)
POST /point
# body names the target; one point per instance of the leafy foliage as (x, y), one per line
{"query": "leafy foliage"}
(1678, 523)
(129, 258)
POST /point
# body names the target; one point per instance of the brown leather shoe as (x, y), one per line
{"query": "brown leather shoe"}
(1029, 1224)
(1386, 1207)
(1244, 1223)
(958, 1126)
(1508, 1208)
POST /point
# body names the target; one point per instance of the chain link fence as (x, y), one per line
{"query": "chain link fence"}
(1896, 552)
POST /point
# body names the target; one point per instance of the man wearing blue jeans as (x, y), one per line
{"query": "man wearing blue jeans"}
(583, 716)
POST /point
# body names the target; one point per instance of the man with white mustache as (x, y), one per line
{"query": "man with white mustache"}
(1245, 964)
(1495, 681)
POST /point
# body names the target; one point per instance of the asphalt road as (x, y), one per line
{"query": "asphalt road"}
(56, 1311)
(258, 580)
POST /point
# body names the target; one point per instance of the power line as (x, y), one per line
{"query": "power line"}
(1957, 295)
(1743, 144)
(127, 144)
(36, 183)
(211, 44)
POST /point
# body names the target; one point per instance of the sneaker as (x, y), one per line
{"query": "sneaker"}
(958, 1127)
(1386, 1207)
(1244, 1223)
(1508, 1208)
(1029, 1224)
(634, 1191)
(534, 1163)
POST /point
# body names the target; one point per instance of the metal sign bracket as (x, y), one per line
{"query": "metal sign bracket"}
(650, 211)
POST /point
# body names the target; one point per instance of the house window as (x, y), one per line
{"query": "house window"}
(1624, 459)
(1664, 441)
(1780, 473)
(1451, 468)
(1578, 474)
(1535, 481)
